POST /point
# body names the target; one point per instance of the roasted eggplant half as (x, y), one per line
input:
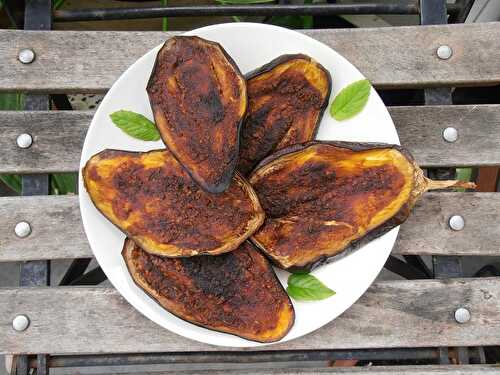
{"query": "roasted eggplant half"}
(286, 101)
(235, 293)
(150, 197)
(323, 198)
(199, 99)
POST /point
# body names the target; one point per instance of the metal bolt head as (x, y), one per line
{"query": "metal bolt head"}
(456, 222)
(450, 134)
(462, 315)
(26, 56)
(444, 52)
(24, 140)
(22, 229)
(20, 323)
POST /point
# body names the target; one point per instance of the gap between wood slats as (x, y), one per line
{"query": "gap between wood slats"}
(90, 61)
(59, 135)
(390, 314)
(57, 230)
(370, 370)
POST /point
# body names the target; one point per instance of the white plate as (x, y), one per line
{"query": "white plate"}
(250, 45)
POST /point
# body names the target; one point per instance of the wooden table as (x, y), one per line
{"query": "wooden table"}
(392, 315)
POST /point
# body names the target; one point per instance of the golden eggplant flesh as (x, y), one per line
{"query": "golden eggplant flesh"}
(153, 200)
(286, 101)
(236, 293)
(198, 97)
(323, 198)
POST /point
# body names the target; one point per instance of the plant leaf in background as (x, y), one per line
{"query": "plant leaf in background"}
(294, 22)
(135, 125)
(306, 287)
(463, 174)
(242, 2)
(58, 4)
(13, 181)
(11, 102)
(350, 100)
(63, 183)
(164, 21)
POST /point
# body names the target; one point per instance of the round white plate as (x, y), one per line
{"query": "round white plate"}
(250, 45)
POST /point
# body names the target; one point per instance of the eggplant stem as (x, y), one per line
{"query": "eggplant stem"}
(445, 184)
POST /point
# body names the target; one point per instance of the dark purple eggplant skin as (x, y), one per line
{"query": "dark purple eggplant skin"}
(283, 59)
(224, 181)
(128, 243)
(397, 219)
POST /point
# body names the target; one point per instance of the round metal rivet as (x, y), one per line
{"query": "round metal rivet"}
(26, 56)
(462, 315)
(450, 134)
(20, 323)
(22, 229)
(24, 140)
(456, 222)
(444, 52)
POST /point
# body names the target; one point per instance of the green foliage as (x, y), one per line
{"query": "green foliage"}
(63, 183)
(135, 125)
(13, 181)
(164, 21)
(350, 100)
(306, 287)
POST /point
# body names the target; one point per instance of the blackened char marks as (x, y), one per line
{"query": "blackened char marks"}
(174, 208)
(197, 97)
(216, 275)
(237, 290)
(282, 105)
(316, 191)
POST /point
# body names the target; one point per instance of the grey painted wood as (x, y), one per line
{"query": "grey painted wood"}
(57, 231)
(372, 370)
(57, 140)
(420, 129)
(390, 314)
(68, 61)
(59, 135)
(56, 228)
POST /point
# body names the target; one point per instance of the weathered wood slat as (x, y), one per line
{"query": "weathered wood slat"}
(57, 230)
(390, 314)
(371, 370)
(59, 135)
(76, 61)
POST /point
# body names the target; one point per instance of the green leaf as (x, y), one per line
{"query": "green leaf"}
(164, 22)
(135, 125)
(63, 183)
(463, 174)
(11, 102)
(350, 100)
(242, 2)
(306, 287)
(13, 181)
(58, 4)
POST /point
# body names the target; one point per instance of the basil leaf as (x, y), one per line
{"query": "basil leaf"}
(350, 100)
(306, 287)
(135, 125)
(241, 2)
(13, 181)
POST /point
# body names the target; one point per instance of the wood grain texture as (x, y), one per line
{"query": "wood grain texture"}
(370, 370)
(59, 135)
(56, 228)
(420, 130)
(76, 61)
(57, 231)
(57, 140)
(390, 314)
